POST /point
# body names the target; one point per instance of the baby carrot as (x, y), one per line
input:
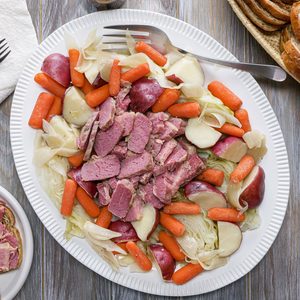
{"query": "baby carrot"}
(212, 176)
(136, 73)
(157, 57)
(225, 214)
(172, 224)
(56, 108)
(171, 245)
(222, 92)
(243, 169)
(139, 256)
(97, 96)
(40, 110)
(186, 273)
(76, 159)
(242, 115)
(87, 203)
(77, 78)
(104, 218)
(68, 197)
(87, 87)
(185, 110)
(165, 100)
(121, 245)
(182, 208)
(232, 130)
(115, 78)
(50, 85)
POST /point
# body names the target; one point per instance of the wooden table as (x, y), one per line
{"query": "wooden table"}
(56, 275)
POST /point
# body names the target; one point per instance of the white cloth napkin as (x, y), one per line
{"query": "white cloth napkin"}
(17, 28)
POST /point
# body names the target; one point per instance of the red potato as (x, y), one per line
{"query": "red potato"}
(205, 194)
(57, 66)
(145, 226)
(144, 93)
(98, 82)
(253, 188)
(126, 229)
(164, 261)
(174, 79)
(230, 148)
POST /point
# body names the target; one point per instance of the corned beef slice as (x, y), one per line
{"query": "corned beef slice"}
(107, 113)
(126, 120)
(121, 198)
(91, 142)
(146, 192)
(135, 181)
(180, 124)
(112, 182)
(154, 145)
(140, 133)
(158, 121)
(122, 100)
(144, 179)
(101, 168)
(136, 165)
(120, 150)
(169, 131)
(135, 210)
(165, 151)
(103, 193)
(162, 189)
(107, 140)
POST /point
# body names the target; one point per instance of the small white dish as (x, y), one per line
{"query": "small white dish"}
(11, 282)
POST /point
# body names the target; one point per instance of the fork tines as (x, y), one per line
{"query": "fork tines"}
(4, 50)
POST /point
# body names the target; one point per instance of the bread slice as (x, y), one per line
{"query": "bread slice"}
(291, 66)
(295, 19)
(289, 1)
(274, 9)
(292, 48)
(255, 19)
(262, 13)
(286, 34)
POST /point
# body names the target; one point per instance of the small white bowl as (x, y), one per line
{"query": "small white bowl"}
(11, 282)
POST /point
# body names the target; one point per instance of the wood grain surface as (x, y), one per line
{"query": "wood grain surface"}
(57, 275)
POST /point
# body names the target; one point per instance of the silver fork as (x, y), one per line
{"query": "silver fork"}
(4, 52)
(152, 35)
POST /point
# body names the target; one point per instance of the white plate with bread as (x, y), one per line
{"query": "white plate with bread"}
(16, 246)
(275, 24)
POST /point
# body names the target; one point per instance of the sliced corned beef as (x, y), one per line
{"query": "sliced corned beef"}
(135, 181)
(136, 165)
(112, 182)
(107, 113)
(140, 133)
(122, 100)
(103, 193)
(187, 146)
(135, 210)
(165, 151)
(107, 140)
(158, 121)
(146, 192)
(126, 121)
(144, 179)
(120, 150)
(101, 168)
(121, 198)
(162, 189)
(180, 124)
(169, 131)
(83, 138)
(91, 142)
(178, 156)
(88, 186)
(154, 145)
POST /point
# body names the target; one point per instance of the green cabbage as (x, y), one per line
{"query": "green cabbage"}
(252, 220)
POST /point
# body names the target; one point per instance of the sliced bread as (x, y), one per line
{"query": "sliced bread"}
(289, 1)
(255, 19)
(274, 9)
(286, 34)
(295, 19)
(263, 14)
(291, 66)
(292, 48)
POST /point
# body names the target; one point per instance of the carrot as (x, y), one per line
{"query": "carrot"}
(243, 168)
(56, 108)
(222, 92)
(76, 159)
(97, 96)
(136, 73)
(40, 111)
(115, 78)
(186, 273)
(87, 203)
(87, 87)
(172, 224)
(185, 110)
(104, 218)
(165, 100)
(50, 85)
(212, 176)
(68, 197)
(231, 130)
(121, 245)
(157, 57)
(171, 245)
(182, 208)
(242, 115)
(76, 77)
(139, 256)
(225, 214)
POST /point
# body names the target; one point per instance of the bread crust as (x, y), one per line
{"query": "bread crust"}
(286, 34)
(275, 10)
(292, 51)
(295, 19)
(291, 66)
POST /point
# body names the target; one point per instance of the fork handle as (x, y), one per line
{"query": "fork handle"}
(268, 71)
